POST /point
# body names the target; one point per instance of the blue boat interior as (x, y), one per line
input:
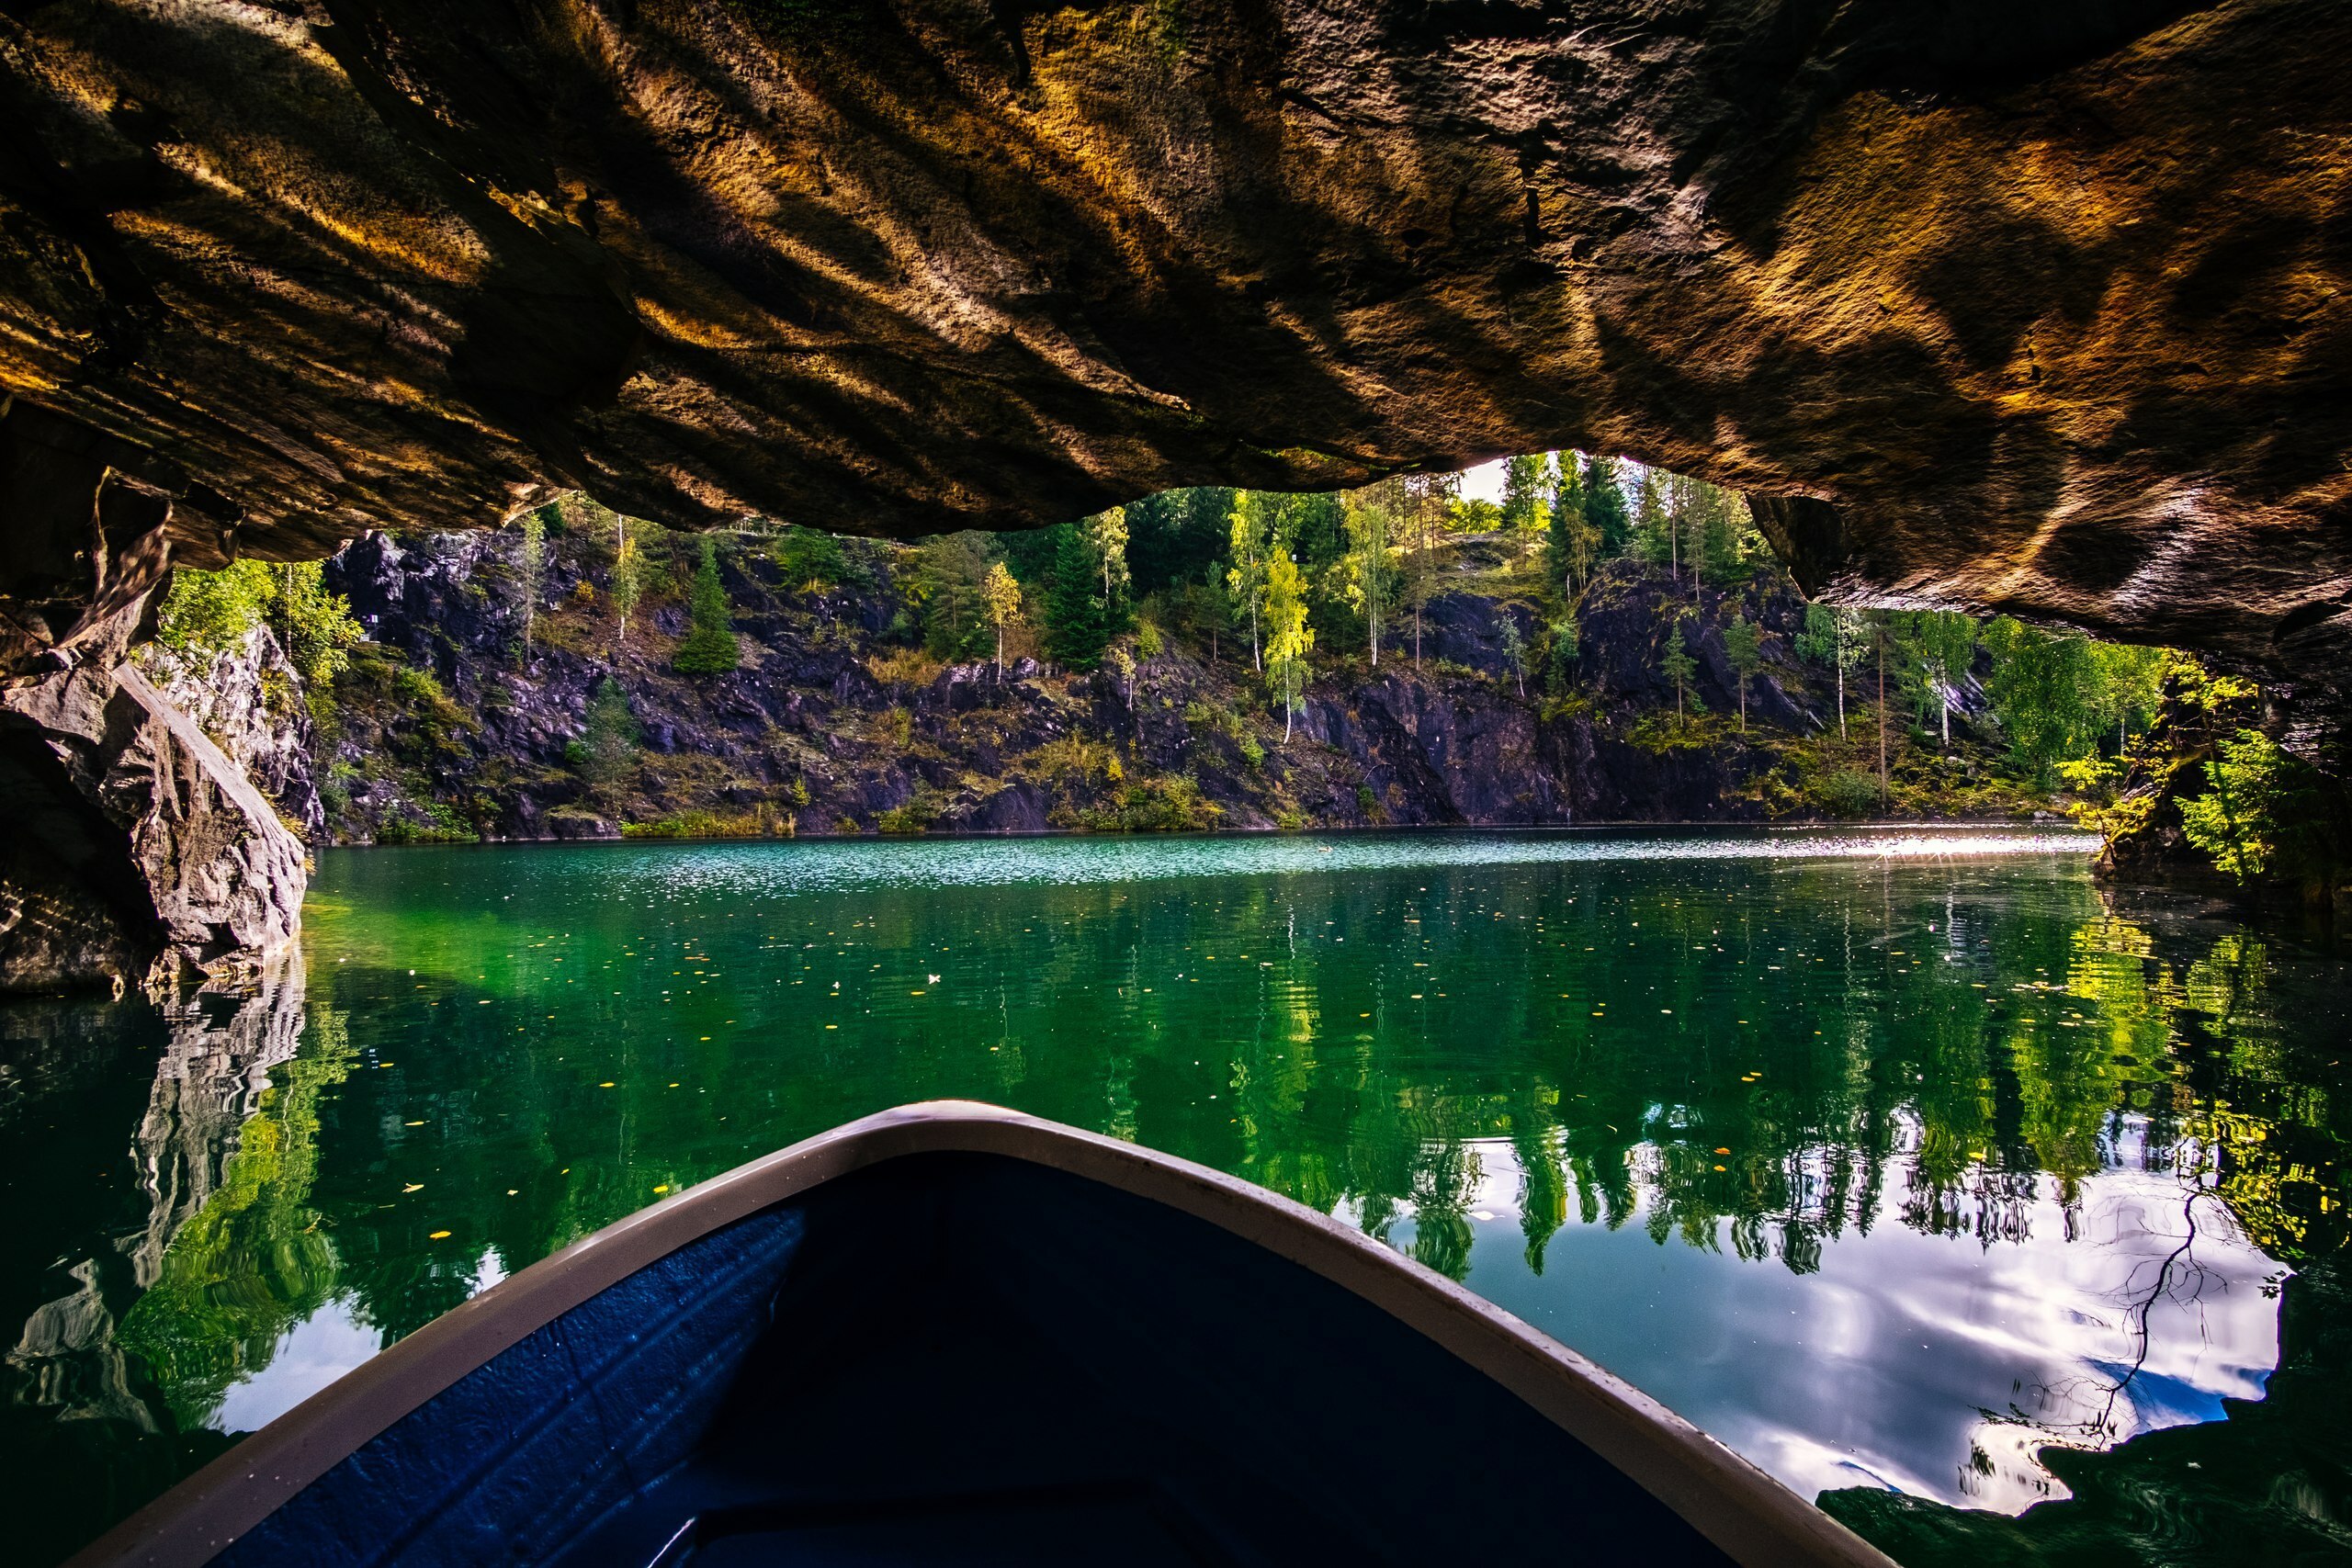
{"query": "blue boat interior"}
(966, 1358)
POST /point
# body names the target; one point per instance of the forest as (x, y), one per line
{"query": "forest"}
(1279, 595)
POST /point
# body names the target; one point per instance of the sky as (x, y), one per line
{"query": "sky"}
(1484, 482)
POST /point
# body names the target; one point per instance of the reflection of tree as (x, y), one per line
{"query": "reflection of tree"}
(1966, 1097)
(251, 1260)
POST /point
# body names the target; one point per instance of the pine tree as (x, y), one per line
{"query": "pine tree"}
(1744, 646)
(607, 746)
(1574, 543)
(1677, 665)
(1086, 595)
(709, 646)
(1604, 506)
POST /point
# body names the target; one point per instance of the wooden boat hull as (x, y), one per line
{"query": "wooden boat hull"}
(955, 1333)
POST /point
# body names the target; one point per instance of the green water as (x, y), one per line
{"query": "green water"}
(1890, 1160)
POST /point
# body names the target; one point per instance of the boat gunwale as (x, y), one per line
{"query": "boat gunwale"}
(1750, 1516)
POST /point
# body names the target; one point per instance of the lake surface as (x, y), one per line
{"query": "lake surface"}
(1902, 1163)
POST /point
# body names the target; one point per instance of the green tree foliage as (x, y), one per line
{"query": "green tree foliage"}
(1428, 498)
(1744, 646)
(2131, 688)
(1526, 504)
(2266, 811)
(1691, 526)
(948, 586)
(1562, 658)
(1572, 543)
(2042, 689)
(606, 749)
(1514, 650)
(1174, 536)
(1371, 581)
(1604, 506)
(1001, 599)
(1086, 596)
(1253, 539)
(812, 558)
(1930, 652)
(532, 563)
(1676, 662)
(1837, 639)
(212, 612)
(1288, 636)
(628, 580)
(709, 646)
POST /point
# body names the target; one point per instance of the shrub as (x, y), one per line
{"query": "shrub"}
(1844, 792)
(1172, 805)
(915, 817)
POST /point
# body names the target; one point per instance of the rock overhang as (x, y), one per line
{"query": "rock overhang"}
(2011, 305)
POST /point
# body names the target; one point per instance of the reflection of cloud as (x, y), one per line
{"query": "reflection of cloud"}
(309, 1355)
(1932, 1364)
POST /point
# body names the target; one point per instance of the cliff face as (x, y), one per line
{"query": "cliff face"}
(136, 849)
(449, 727)
(2011, 304)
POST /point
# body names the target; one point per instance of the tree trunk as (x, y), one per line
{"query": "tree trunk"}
(1000, 653)
(1840, 655)
(1742, 677)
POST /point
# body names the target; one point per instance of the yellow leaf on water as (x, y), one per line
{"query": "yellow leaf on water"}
(606, 1084)
(664, 1187)
(438, 1236)
(413, 1187)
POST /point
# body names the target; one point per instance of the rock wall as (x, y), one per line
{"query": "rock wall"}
(449, 727)
(137, 849)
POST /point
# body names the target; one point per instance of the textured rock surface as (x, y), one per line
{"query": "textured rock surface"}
(247, 701)
(136, 849)
(2009, 304)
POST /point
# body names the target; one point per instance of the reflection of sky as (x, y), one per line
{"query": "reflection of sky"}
(310, 1355)
(1931, 1364)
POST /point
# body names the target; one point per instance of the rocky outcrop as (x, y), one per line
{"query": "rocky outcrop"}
(2021, 306)
(136, 850)
(248, 701)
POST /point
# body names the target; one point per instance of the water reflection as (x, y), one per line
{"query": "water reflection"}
(1893, 1170)
(1904, 1357)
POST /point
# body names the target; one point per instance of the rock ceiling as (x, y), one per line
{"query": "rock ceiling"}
(2003, 304)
